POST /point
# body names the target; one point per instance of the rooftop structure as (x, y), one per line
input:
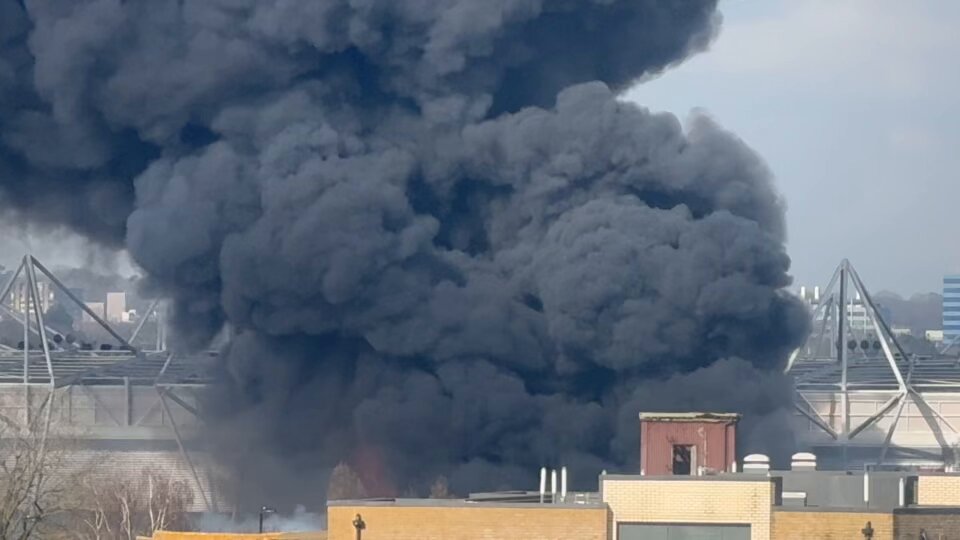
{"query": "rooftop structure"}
(687, 443)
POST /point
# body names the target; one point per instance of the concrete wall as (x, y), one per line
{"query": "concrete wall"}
(99, 412)
(830, 525)
(685, 500)
(939, 490)
(466, 521)
(913, 430)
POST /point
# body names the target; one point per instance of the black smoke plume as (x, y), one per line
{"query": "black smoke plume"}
(444, 245)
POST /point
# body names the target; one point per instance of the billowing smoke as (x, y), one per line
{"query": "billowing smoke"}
(444, 245)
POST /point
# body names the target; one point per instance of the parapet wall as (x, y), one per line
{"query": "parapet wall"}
(172, 535)
(466, 521)
(938, 490)
(822, 523)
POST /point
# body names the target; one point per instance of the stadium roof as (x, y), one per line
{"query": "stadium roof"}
(933, 374)
(108, 368)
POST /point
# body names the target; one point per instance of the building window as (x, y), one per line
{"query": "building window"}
(682, 459)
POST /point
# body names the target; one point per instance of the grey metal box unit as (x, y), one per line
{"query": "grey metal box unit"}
(644, 531)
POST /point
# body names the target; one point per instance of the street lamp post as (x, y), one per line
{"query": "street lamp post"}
(264, 511)
(359, 525)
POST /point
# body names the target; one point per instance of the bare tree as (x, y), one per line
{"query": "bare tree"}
(123, 509)
(345, 484)
(33, 480)
(440, 488)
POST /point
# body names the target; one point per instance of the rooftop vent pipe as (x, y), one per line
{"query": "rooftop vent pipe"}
(803, 461)
(543, 483)
(553, 486)
(756, 464)
(563, 484)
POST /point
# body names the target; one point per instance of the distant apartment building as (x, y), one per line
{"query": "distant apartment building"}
(116, 306)
(21, 299)
(951, 306)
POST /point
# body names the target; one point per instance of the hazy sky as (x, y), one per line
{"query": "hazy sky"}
(853, 104)
(855, 107)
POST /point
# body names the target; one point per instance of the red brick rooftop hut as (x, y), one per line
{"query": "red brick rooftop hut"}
(692, 443)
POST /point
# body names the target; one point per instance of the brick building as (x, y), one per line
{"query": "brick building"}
(739, 506)
(701, 498)
(802, 503)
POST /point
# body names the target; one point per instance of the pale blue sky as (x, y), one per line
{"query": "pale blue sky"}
(854, 104)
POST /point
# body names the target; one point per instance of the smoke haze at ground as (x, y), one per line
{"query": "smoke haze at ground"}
(445, 246)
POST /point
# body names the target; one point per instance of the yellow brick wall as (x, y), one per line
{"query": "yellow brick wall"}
(690, 501)
(172, 535)
(480, 522)
(807, 525)
(939, 490)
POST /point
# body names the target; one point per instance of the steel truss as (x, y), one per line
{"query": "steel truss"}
(813, 370)
(63, 366)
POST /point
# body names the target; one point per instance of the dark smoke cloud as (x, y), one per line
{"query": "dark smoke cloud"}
(444, 244)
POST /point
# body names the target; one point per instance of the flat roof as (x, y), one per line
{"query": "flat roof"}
(463, 503)
(689, 416)
(724, 477)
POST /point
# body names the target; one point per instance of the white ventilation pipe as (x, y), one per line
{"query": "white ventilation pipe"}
(543, 483)
(553, 486)
(866, 487)
(563, 484)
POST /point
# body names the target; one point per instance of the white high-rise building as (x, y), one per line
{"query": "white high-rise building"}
(857, 316)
